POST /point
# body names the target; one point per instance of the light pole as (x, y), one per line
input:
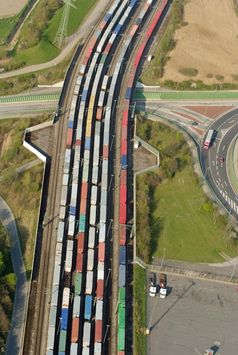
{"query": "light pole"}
(107, 325)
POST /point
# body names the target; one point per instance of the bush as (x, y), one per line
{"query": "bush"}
(188, 71)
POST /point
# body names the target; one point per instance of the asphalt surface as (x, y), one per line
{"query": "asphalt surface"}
(26, 109)
(195, 316)
(16, 333)
(214, 168)
(83, 32)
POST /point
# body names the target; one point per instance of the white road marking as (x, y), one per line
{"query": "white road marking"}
(223, 147)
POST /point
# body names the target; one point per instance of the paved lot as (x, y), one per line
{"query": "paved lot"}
(196, 315)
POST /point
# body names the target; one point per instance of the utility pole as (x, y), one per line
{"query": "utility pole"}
(62, 30)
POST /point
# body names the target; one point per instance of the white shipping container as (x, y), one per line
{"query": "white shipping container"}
(102, 231)
(70, 245)
(86, 334)
(94, 193)
(99, 306)
(51, 338)
(95, 175)
(100, 271)
(101, 99)
(52, 319)
(54, 295)
(91, 237)
(63, 199)
(74, 349)
(71, 225)
(74, 191)
(93, 210)
(97, 349)
(67, 155)
(76, 307)
(68, 261)
(79, 79)
(82, 68)
(103, 213)
(65, 300)
(60, 232)
(89, 283)
(62, 212)
(59, 249)
(65, 179)
(104, 83)
(90, 262)
(85, 351)
(56, 276)
(58, 259)
(103, 197)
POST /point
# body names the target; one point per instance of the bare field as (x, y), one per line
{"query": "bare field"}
(208, 43)
(11, 7)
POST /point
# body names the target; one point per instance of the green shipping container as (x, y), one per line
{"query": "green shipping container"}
(82, 222)
(62, 340)
(122, 296)
(121, 316)
(121, 339)
(103, 59)
(77, 283)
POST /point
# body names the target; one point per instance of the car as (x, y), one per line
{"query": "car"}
(221, 159)
(194, 123)
(152, 282)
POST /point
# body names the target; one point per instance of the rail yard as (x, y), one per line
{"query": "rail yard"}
(80, 301)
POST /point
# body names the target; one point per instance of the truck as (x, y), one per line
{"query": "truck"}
(152, 282)
(208, 140)
(162, 285)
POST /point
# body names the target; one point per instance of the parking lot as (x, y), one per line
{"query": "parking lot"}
(195, 316)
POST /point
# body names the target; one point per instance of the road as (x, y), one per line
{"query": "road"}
(83, 32)
(15, 336)
(214, 168)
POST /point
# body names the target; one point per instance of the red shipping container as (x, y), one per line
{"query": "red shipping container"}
(89, 52)
(83, 205)
(124, 147)
(69, 137)
(75, 330)
(98, 331)
(139, 54)
(124, 133)
(123, 192)
(122, 218)
(102, 24)
(123, 235)
(101, 251)
(125, 118)
(121, 353)
(107, 49)
(100, 289)
(79, 262)
(133, 30)
(123, 177)
(78, 142)
(85, 61)
(84, 190)
(99, 114)
(105, 152)
(80, 242)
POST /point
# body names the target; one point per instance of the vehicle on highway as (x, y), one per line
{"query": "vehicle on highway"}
(162, 284)
(209, 138)
(152, 281)
(194, 123)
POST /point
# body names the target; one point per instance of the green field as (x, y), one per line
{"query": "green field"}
(6, 25)
(182, 219)
(45, 50)
(139, 315)
(186, 95)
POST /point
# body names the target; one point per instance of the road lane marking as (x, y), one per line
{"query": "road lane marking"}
(223, 147)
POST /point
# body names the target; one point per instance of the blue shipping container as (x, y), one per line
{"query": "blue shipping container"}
(61, 353)
(87, 143)
(64, 318)
(72, 210)
(88, 307)
(82, 222)
(84, 94)
(132, 3)
(122, 255)
(123, 161)
(122, 275)
(70, 124)
(117, 29)
(128, 93)
(107, 17)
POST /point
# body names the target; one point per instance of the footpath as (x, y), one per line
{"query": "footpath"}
(16, 333)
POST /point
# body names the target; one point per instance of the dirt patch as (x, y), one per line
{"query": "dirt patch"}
(210, 111)
(11, 7)
(5, 144)
(208, 43)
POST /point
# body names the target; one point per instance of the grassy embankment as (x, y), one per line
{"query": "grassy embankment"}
(6, 26)
(7, 287)
(176, 214)
(36, 41)
(153, 73)
(139, 316)
(21, 190)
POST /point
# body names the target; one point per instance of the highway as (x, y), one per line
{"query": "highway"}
(215, 170)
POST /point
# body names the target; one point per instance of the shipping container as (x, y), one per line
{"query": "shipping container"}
(89, 282)
(91, 237)
(102, 231)
(70, 124)
(65, 179)
(75, 330)
(98, 331)
(56, 277)
(79, 262)
(93, 211)
(80, 242)
(122, 217)
(62, 340)
(88, 307)
(76, 307)
(77, 283)
(66, 293)
(121, 339)
(84, 190)
(85, 351)
(53, 312)
(71, 225)
(124, 161)
(54, 295)
(100, 275)
(95, 174)
(60, 232)
(82, 223)
(68, 261)
(118, 28)
(123, 193)
(121, 316)
(101, 98)
(62, 212)
(94, 192)
(90, 262)
(100, 289)
(87, 143)
(74, 349)
(101, 251)
(107, 49)
(123, 177)
(51, 337)
(122, 275)
(97, 349)
(99, 113)
(99, 308)
(122, 296)
(122, 255)
(105, 81)
(69, 137)
(63, 199)
(125, 118)
(64, 318)
(82, 69)
(83, 205)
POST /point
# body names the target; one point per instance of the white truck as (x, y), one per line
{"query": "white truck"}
(152, 288)
(162, 285)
